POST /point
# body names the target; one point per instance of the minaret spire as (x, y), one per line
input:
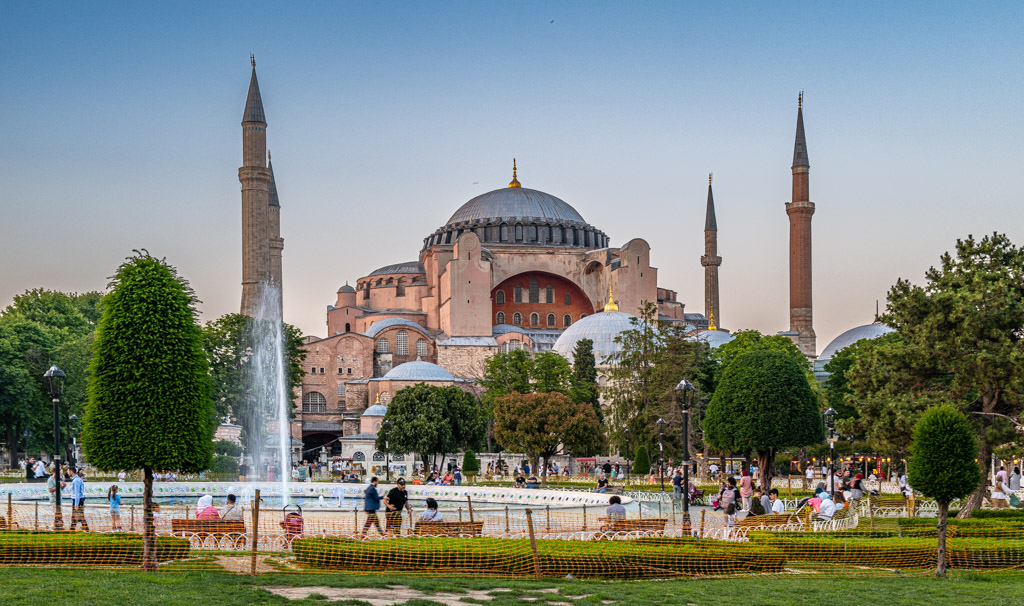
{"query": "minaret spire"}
(711, 260)
(515, 182)
(800, 211)
(260, 226)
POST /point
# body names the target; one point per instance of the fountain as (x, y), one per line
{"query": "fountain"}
(269, 387)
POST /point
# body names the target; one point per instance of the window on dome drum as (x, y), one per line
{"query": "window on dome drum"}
(314, 401)
(501, 317)
(517, 294)
(499, 297)
(566, 320)
(534, 291)
(341, 390)
(519, 233)
(421, 348)
(517, 319)
(402, 343)
(382, 345)
(534, 319)
(551, 320)
(549, 295)
(568, 299)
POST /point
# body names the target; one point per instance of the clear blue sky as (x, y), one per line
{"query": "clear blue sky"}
(121, 130)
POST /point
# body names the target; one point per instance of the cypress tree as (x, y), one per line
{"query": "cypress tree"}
(149, 406)
(641, 462)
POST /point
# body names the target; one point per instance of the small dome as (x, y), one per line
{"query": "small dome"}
(409, 267)
(377, 410)
(601, 328)
(346, 288)
(418, 371)
(714, 338)
(868, 331)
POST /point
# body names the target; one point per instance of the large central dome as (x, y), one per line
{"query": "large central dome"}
(512, 203)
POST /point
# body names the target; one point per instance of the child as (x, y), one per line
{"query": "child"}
(114, 499)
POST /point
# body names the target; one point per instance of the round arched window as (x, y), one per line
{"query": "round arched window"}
(500, 317)
(534, 319)
(517, 319)
(499, 297)
(358, 456)
(314, 401)
(551, 320)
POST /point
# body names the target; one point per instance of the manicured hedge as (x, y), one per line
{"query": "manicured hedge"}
(1005, 528)
(79, 548)
(604, 559)
(998, 514)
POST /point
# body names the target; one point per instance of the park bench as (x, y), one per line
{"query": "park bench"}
(210, 528)
(448, 529)
(614, 489)
(769, 520)
(613, 527)
(889, 506)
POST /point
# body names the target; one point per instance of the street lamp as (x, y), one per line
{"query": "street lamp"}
(387, 450)
(629, 456)
(661, 452)
(830, 423)
(54, 379)
(684, 393)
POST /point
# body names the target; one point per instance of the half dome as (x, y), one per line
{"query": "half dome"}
(601, 328)
(418, 371)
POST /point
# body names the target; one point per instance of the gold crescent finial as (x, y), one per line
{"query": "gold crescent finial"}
(711, 321)
(709, 178)
(610, 305)
(252, 58)
(800, 100)
(515, 182)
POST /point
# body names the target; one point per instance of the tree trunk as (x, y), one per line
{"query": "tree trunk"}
(148, 528)
(803, 467)
(746, 461)
(12, 443)
(974, 501)
(765, 463)
(940, 551)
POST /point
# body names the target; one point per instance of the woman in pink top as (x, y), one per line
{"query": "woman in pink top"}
(746, 489)
(205, 509)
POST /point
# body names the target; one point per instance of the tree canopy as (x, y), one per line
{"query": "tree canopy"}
(432, 420)
(583, 381)
(545, 424)
(763, 403)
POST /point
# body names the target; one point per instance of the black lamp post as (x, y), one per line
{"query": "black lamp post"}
(387, 450)
(661, 452)
(54, 378)
(684, 392)
(830, 423)
(629, 455)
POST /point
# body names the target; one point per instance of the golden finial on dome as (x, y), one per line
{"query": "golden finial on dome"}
(378, 399)
(515, 182)
(711, 321)
(610, 305)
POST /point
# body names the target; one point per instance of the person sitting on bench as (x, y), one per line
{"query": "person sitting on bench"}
(431, 514)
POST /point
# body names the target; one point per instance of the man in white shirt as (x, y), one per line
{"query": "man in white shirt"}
(121, 475)
(777, 505)
(713, 468)
(39, 470)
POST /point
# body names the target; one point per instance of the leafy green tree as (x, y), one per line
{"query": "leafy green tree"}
(504, 373)
(960, 340)
(641, 462)
(763, 403)
(20, 395)
(432, 421)
(470, 464)
(149, 405)
(837, 385)
(227, 447)
(583, 382)
(551, 372)
(542, 425)
(942, 464)
(224, 464)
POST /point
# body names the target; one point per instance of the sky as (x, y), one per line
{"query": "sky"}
(121, 130)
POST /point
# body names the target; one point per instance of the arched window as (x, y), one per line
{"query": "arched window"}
(341, 390)
(378, 456)
(348, 328)
(499, 297)
(314, 401)
(568, 299)
(399, 458)
(534, 319)
(566, 320)
(385, 398)
(517, 294)
(517, 319)
(549, 295)
(515, 344)
(358, 456)
(551, 320)
(500, 319)
(534, 291)
(400, 289)
(382, 345)
(402, 343)
(583, 316)
(421, 348)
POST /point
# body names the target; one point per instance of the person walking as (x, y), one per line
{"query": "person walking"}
(114, 500)
(396, 500)
(78, 500)
(677, 485)
(371, 503)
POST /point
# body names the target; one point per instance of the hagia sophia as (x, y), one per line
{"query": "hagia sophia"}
(511, 268)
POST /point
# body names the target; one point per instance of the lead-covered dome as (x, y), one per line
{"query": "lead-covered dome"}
(418, 371)
(601, 328)
(868, 331)
(518, 216)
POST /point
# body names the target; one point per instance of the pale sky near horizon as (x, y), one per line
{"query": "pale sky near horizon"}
(121, 130)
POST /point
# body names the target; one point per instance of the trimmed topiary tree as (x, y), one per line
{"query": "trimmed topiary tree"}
(149, 405)
(224, 464)
(942, 464)
(470, 464)
(763, 403)
(641, 462)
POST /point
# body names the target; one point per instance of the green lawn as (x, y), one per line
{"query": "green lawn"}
(32, 586)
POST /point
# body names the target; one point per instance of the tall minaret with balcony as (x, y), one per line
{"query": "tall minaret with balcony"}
(711, 260)
(800, 211)
(255, 178)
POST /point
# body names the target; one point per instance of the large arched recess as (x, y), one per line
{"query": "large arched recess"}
(578, 305)
(312, 442)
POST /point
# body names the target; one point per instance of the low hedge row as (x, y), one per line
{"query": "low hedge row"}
(600, 559)
(1005, 528)
(998, 514)
(79, 548)
(893, 552)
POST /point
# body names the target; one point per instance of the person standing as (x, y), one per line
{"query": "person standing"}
(1015, 479)
(52, 486)
(396, 500)
(39, 471)
(677, 485)
(114, 500)
(78, 500)
(746, 488)
(371, 503)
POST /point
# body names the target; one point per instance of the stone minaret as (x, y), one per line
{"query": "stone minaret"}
(711, 261)
(255, 178)
(276, 242)
(800, 211)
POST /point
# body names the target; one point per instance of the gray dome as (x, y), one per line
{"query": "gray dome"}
(377, 410)
(515, 202)
(714, 338)
(409, 267)
(374, 329)
(418, 371)
(868, 331)
(601, 328)
(346, 288)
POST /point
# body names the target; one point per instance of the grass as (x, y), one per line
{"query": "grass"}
(31, 586)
